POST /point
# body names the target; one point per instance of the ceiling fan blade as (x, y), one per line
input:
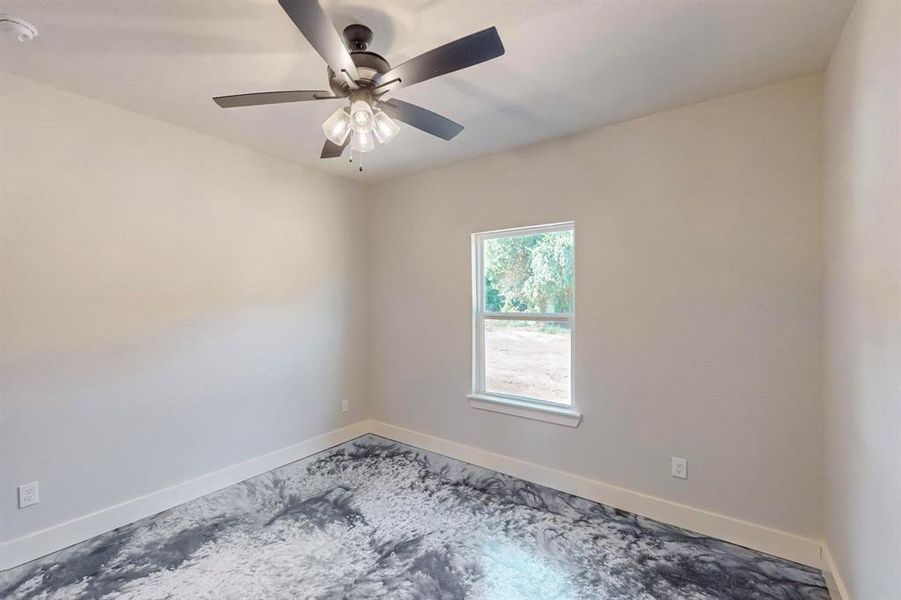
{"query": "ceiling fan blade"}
(259, 98)
(333, 150)
(319, 31)
(421, 118)
(465, 52)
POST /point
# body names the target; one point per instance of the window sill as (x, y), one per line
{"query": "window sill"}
(549, 414)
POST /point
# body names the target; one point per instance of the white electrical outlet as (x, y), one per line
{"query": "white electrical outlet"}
(344, 404)
(679, 467)
(28, 494)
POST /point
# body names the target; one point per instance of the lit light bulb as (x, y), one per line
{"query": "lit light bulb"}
(337, 127)
(362, 141)
(361, 113)
(384, 127)
(361, 117)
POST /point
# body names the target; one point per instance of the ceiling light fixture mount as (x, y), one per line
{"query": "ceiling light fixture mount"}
(358, 37)
(363, 79)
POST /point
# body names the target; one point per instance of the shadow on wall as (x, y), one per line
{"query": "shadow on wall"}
(190, 399)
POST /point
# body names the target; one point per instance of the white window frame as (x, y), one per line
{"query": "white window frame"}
(520, 406)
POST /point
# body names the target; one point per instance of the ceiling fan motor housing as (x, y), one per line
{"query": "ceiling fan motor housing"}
(369, 64)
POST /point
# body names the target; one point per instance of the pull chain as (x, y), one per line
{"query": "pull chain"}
(361, 162)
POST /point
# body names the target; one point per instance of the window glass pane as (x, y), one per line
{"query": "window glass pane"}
(529, 273)
(528, 358)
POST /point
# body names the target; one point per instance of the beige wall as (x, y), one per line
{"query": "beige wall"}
(193, 303)
(863, 302)
(171, 304)
(698, 291)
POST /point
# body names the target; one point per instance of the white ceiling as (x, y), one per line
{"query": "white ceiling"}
(569, 66)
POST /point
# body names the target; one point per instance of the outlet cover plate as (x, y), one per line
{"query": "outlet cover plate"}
(679, 467)
(28, 494)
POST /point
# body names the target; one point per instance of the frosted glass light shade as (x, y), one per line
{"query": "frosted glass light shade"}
(384, 127)
(362, 141)
(337, 127)
(361, 115)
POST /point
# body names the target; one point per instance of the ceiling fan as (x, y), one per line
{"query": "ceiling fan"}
(363, 79)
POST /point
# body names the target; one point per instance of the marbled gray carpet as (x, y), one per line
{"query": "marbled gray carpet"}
(377, 519)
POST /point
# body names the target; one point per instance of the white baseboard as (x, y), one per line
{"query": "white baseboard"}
(40, 543)
(837, 588)
(758, 537)
(765, 539)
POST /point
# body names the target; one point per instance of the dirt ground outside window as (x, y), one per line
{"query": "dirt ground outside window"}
(530, 361)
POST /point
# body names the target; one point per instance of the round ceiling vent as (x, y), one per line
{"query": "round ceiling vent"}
(22, 29)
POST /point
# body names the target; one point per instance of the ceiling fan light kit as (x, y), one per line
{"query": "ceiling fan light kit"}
(363, 80)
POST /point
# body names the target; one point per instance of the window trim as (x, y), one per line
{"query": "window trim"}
(531, 408)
